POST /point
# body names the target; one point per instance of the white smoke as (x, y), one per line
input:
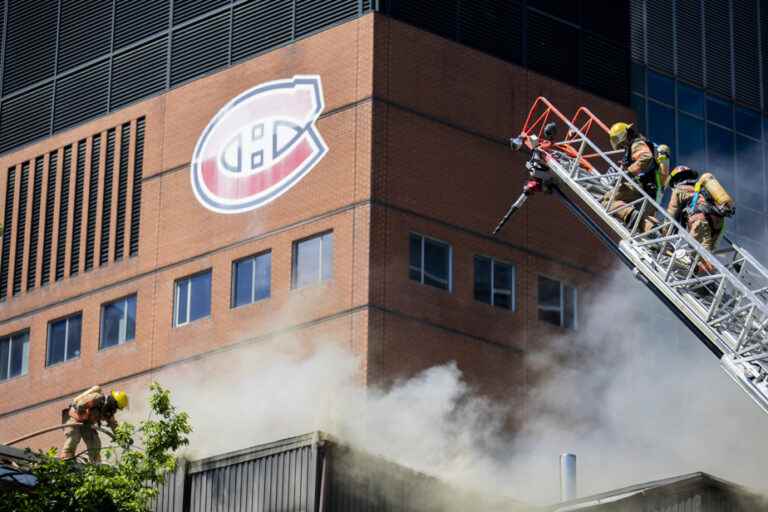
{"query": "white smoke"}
(633, 394)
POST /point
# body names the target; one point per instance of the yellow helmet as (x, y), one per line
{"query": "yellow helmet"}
(618, 134)
(121, 398)
(681, 173)
(663, 149)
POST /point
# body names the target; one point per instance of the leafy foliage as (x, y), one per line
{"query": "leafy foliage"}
(128, 481)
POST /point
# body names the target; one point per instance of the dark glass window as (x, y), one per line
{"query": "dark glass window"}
(494, 282)
(748, 223)
(313, 260)
(749, 174)
(690, 99)
(14, 355)
(638, 78)
(748, 122)
(430, 262)
(118, 321)
(64, 339)
(252, 279)
(661, 88)
(661, 125)
(720, 155)
(638, 105)
(557, 303)
(691, 149)
(720, 112)
(193, 298)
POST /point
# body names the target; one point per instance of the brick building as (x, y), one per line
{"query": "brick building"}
(111, 269)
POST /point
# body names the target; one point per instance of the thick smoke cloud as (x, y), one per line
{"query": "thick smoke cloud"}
(633, 394)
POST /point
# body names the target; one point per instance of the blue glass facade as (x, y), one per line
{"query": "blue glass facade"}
(709, 133)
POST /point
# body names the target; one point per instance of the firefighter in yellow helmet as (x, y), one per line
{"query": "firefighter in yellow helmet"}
(640, 161)
(89, 409)
(700, 204)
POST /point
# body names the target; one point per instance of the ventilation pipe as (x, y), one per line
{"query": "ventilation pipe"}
(567, 476)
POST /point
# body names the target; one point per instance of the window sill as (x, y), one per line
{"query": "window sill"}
(126, 342)
(14, 378)
(243, 306)
(193, 322)
(318, 285)
(59, 363)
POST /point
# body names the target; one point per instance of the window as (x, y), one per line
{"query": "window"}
(64, 339)
(118, 322)
(661, 125)
(193, 298)
(14, 355)
(430, 262)
(638, 78)
(690, 99)
(720, 149)
(251, 279)
(749, 174)
(720, 112)
(494, 282)
(557, 303)
(661, 88)
(748, 122)
(691, 150)
(312, 260)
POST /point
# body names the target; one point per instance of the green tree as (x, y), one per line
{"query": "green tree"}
(126, 483)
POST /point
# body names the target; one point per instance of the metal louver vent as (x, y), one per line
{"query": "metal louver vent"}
(717, 32)
(637, 30)
(50, 205)
(184, 10)
(30, 43)
(21, 224)
(106, 201)
(764, 43)
(135, 22)
(138, 163)
(690, 64)
(81, 96)
(746, 52)
(122, 191)
(597, 56)
(61, 246)
(660, 33)
(10, 193)
(551, 50)
(199, 48)
(367, 5)
(25, 117)
(260, 25)
(312, 16)
(139, 73)
(493, 27)
(93, 197)
(436, 16)
(34, 230)
(77, 212)
(83, 33)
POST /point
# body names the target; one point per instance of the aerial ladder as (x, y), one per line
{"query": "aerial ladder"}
(727, 308)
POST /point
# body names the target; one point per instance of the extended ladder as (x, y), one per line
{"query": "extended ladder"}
(726, 309)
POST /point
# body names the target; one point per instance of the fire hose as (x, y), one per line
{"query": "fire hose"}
(56, 427)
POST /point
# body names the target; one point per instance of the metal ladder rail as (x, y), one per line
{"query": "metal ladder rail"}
(728, 312)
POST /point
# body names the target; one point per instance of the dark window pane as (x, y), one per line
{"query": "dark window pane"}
(638, 105)
(56, 341)
(550, 316)
(244, 282)
(73, 339)
(719, 112)
(200, 304)
(748, 122)
(749, 174)
(638, 78)
(549, 293)
(569, 307)
(263, 270)
(503, 276)
(112, 318)
(483, 279)
(661, 88)
(436, 263)
(19, 354)
(720, 155)
(130, 327)
(748, 223)
(502, 299)
(661, 124)
(327, 256)
(307, 261)
(691, 150)
(415, 258)
(690, 99)
(5, 354)
(182, 297)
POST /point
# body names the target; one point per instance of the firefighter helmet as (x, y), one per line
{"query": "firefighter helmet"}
(619, 134)
(681, 173)
(121, 398)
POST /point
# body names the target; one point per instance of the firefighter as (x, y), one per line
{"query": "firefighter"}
(662, 160)
(700, 203)
(89, 409)
(639, 161)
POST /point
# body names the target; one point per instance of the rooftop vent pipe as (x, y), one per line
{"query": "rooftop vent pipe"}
(567, 476)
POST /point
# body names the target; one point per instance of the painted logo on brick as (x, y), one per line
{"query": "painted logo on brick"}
(259, 145)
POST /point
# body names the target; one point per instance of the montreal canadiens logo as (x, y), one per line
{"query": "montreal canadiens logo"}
(259, 145)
